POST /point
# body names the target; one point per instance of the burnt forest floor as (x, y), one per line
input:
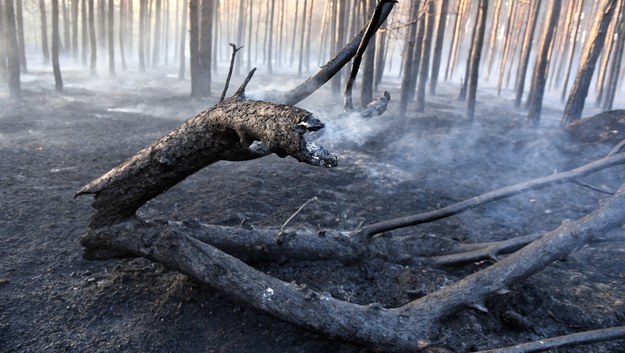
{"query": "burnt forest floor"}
(52, 300)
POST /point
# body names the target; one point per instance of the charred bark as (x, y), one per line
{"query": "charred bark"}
(56, 37)
(13, 60)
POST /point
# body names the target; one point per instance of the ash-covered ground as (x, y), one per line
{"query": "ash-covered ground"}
(52, 300)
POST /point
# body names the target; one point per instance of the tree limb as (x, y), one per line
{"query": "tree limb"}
(511, 190)
(234, 54)
(575, 339)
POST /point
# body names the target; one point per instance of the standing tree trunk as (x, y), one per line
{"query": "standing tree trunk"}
(206, 42)
(44, 32)
(493, 37)
(3, 47)
(272, 9)
(478, 43)
(102, 23)
(142, 9)
(66, 32)
(525, 51)
(56, 38)
(506, 45)
(616, 61)
(438, 46)
(575, 103)
(606, 54)
(75, 29)
(573, 47)
(183, 40)
(111, 37)
(409, 44)
(122, 32)
(92, 39)
(156, 49)
(20, 35)
(85, 32)
(455, 40)
(366, 88)
(541, 67)
(13, 59)
(424, 67)
(302, 36)
(194, 47)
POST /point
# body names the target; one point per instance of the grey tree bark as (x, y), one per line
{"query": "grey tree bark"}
(56, 38)
(111, 36)
(476, 57)
(526, 51)
(93, 62)
(424, 67)
(438, 46)
(579, 91)
(541, 67)
(183, 40)
(19, 18)
(44, 32)
(13, 59)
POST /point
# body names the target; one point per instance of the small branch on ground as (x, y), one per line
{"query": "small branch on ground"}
(234, 54)
(279, 239)
(575, 339)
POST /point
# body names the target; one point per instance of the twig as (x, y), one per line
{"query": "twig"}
(281, 232)
(574, 339)
(234, 54)
(592, 187)
(515, 189)
(616, 149)
(362, 46)
(247, 80)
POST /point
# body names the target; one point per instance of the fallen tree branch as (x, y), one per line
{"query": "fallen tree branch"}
(574, 339)
(234, 54)
(402, 329)
(511, 190)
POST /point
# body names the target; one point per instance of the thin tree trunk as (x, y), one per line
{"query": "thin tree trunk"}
(56, 37)
(424, 67)
(493, 37)
(575, 103)
(569, 66)
(194, 47)
(84, 32)
(44, 32)
(20, 35)
(92, 39)
(156, 49)
(438, 46)
(616, 61)
(523, 18)
(75, 4)
(66, 29)
(455, 41)
(166, 34)
(13, 59)
(102, 24)
(206, 42)
(606, 54)
(475, 58)
(122, 32)
(272, 9)
(3, 46)
(300, 65)
(380, 59)
(506, 46)
(142, 18)
(295, 28)
(366, 87)
(111, 37)
(541, 67)
(409, 44)
(308, 34)
(183, 39)
(567, 43)
(130, 26)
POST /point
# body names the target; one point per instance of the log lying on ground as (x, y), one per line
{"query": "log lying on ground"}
(401, 329)
(234, 130)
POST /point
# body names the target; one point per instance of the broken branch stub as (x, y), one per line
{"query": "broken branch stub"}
(234, 130)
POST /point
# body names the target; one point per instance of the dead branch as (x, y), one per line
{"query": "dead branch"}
(234, 54)
(233, 130)
(396, 330)
(327, 71)
(575, 339)
(511, 190)
(362, 46)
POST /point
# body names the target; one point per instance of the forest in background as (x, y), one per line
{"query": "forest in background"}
(569, 48)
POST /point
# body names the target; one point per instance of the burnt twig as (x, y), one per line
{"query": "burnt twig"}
(234, 54)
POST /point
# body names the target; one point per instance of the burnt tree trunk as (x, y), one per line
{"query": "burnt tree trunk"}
(368, 70)
(93, 63)
(3, 47)
(438, 46)
(616, 62)
(19, 18)
(579, 91)
(541, 67)
(526, 51)
(407, 68)
(478, 43)
(75, 29)
(424, 62)
(111, 36)
(44, 32)
(156, 49)
(183, 39)
(56, 38)
(84, 32)
(13, 59)
(569, 65)
(205, 51)
(142, 34)
(194, 47)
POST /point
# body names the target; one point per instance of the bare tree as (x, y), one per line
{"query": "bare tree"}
(122, 32)
(409, 44)
(3, 47)
(438, 46)
(111, 36)
(93, 63)
(194, 47)
(19, 17)
(156, 49)
(615, 66)
(205, 49)
(142, 34)
(526, 51)
(183, 39)
(84, 31)
(44, 31)
(493, 37)
(424, 67)
(75, 5)
(541, 66)
(579, 91)
(573, 48)
(56, 38)
(13, 59)
(476, 54)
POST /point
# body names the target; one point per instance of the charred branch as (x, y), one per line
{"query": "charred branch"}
(232, 58)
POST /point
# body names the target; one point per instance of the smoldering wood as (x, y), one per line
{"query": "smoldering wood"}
(402, 329)
(234, 130)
